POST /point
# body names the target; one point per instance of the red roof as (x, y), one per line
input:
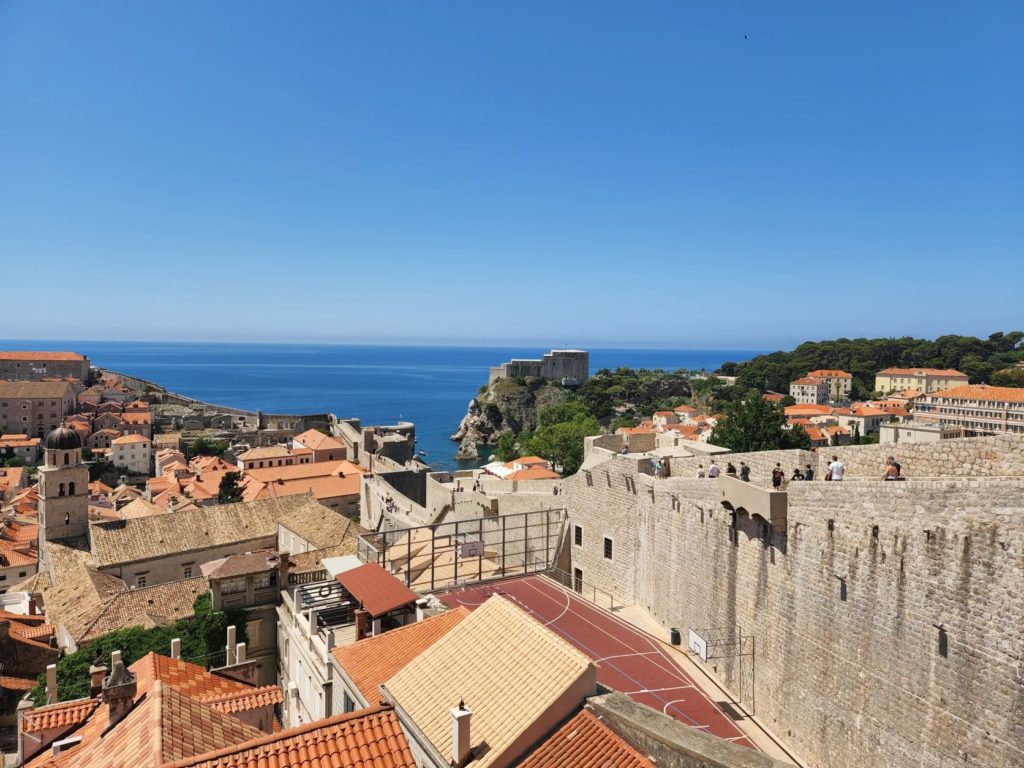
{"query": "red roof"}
(376, 589)
(584, 741)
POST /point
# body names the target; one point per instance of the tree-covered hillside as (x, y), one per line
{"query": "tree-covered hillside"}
(978, 358)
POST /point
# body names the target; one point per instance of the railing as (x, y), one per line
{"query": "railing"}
(307, 577)
(585, 590)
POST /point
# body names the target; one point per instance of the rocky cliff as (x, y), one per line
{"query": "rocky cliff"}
(507, 405)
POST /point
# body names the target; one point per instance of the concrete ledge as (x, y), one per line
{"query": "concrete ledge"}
(769, 505)
(668, 742)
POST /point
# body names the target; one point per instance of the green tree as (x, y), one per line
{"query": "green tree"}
(1010, 377)
(228, 492)
(13, 461)
(202, 640)
(562, 443)
(508, 447)
(754, 424)
(203, 446)
(787, 401)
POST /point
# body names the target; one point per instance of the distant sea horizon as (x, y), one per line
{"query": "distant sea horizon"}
(379, 384)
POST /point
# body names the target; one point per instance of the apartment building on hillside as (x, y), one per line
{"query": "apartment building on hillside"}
(975, 409)
(926, 380)
(808, 391)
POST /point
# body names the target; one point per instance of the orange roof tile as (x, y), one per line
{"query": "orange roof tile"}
(807, 380)
(981, 392)
(12, 683)
(317, 440)
(243, 701)
(534, 473)
(921, 371)
(807, 410)
(369, 738)
(373, 661)
(830, 373)
(376, 589)
(58, 715)
(29, 355)
(583, 742)
(773, 397)
(129, 439)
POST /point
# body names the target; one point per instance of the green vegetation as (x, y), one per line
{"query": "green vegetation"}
(202, 637)
(558, 437)
(13, 461)
(229, 492)
(754, 424)
(978, 358)
(203, 446)
(1010, 377)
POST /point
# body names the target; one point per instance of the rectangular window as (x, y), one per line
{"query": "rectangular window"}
(577, 535)
(607, 548)
(265, 580)
(233, 586)
(187, 572)
(140, 580)
(348, 703)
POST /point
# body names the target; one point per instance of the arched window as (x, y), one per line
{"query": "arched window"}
(65, 458)
(61, 493)
(71, 489)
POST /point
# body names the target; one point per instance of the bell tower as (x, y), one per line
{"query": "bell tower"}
(63, 489)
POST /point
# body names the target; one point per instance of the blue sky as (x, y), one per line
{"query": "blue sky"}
(679, 174)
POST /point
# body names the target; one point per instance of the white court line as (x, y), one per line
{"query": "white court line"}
(623, 656)
(659, 690)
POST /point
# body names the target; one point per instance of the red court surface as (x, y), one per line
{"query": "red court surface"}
(627, 660)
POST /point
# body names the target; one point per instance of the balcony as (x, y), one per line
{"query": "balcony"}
(739, 496)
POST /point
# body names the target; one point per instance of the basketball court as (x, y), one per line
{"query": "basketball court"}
(627, 660)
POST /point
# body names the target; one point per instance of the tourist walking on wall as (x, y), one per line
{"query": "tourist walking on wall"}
(808, 473)
(744, 472)
(836, 468)
(777, 476)
(797, 474)
(700, 472)
(892, 469)
(713, 469)
(730, 469)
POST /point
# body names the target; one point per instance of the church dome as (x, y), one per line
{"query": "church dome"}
(63, 439)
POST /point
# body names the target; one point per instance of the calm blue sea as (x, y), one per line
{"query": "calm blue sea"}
(378, 384)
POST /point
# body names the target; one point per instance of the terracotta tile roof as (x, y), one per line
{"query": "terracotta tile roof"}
(773, 397)
(126, 439)
(684, 409)
(12, 683)
(244, 701)
(43, 356)
(835, 430)
(159, 605)
(62, 715)
(829, 373)
(634, 430)
(302, 471)
(318, 441)
(585, 742)
(815, 434)
(516, 675)
(373, 661)
(807, 410)
(534, 473)
(266, 452)
(158, 535)
(79, 592)
(947, 372)
(664, 413)
(369, 738)
(808, 381)
(982, 392)
(241, 564)
(377, 591)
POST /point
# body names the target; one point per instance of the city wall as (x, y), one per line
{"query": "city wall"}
(882, 628)
(997, 456)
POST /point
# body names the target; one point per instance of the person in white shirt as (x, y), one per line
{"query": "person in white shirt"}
(700, 471)
(713, 469)
(836, 468)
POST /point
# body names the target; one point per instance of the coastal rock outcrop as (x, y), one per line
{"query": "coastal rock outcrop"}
(506, 405)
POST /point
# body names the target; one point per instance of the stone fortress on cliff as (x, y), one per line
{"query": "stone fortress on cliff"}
(570, 367)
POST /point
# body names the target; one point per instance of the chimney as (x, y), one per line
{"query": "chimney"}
(460, 734)
(240, 653)
(96, 674)
(176, 648)
(51, 684)
(32, 606)
(119, 690)
(230, 647)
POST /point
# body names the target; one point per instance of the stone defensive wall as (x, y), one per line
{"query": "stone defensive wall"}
(880, 625)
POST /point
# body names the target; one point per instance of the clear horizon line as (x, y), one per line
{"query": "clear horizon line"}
(423, 343)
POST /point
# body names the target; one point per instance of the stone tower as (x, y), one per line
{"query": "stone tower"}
(63, 489)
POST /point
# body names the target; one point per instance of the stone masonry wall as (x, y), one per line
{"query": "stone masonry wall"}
(849, 666)
(997, 456)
